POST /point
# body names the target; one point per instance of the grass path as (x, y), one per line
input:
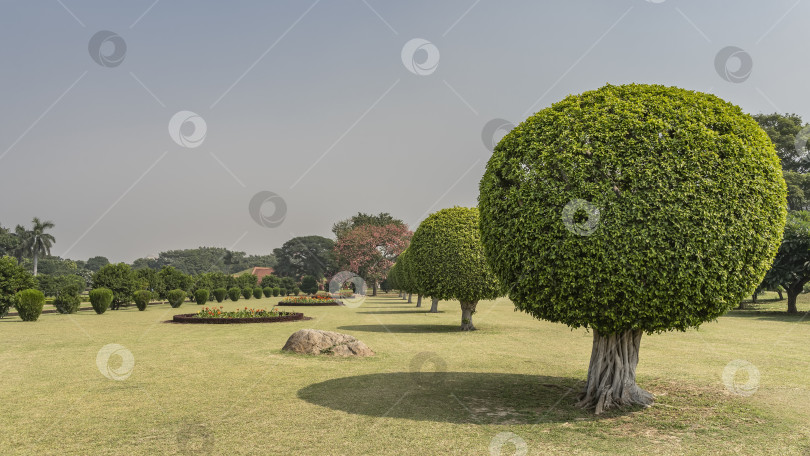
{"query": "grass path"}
(228, 389)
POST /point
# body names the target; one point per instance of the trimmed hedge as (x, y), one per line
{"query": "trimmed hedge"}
(142, 299)
(233, 294)
(176, 298)
(247, 293)
(100, 299)
(201, 296)
(220, 294)
(257, 293)
(276, 291)
(267, 292)
(29, 304)
(67, 300)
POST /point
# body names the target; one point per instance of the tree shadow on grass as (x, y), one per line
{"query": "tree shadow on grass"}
(770, 315)
(456, 397)
(403, 328)
(400, 312)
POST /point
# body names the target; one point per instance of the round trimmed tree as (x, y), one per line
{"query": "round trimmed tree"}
(446, 260)
(628, 210)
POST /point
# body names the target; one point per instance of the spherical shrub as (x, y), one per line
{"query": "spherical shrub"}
(220, 294)
(267, 292)
(635, 207)
(29, 304)
(100, 299)
(247, 293)
(176, 298)
(201, 296)
(257, 293)
(276, 291)
(234, 293)
(142, 298)
(67, 300)
(309, 284)
(282, 292)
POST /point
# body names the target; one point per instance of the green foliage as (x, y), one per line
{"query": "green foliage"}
(267, 292)
(305, 255)
(150, 279)
(176, 297)
(100, 299)
(142, 298)
(791, 267)
(382, 219)
(247, 292)
(276, 291)
(783, 130)
(309, 284)
(13, 278)
(257, 293)
(282, 291)
(447, 258)
(688, 207)
(29, 304)
(201, 296)
(118, 278)
(174, 280)
(220, 294)
(67, 300)
(247, 280)
(96, 263)
(269, 281)
(233, 293)
(51, 285)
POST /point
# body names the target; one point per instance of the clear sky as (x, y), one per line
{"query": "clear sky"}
(315, 102)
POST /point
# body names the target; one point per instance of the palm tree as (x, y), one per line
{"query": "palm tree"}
(35, 242)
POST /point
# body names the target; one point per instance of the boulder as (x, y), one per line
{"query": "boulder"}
(318, 342)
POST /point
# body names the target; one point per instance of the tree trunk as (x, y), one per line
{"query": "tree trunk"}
(612, 373)
(434, 306)
(467, 311)
(404, 295)
(779, 292)
(792, 295)
(409, 298)
(399, 294)
(35, 263)
(754, 298)
(741, 305)
(374, 289)
(418, 300)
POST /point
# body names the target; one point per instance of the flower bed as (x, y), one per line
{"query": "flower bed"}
(217, 316)
(310, 301)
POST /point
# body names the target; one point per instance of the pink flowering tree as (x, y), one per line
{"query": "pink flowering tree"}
(369, 251)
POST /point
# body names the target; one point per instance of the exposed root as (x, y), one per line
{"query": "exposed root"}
(612, 373)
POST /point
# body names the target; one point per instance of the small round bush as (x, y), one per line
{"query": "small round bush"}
(247, 292)
(282, 292)
(67, 301)
(176, 298)
(257, 293)
(233, 294)
(100, 299)
(142, 299)
(220, 294)
(267, 292)
(201, 296)
(29, 304)
(276, 291)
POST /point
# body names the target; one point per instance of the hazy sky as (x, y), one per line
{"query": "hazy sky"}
(316, 103)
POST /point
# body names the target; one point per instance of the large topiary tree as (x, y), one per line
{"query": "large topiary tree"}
(631, 209)
(447, 261)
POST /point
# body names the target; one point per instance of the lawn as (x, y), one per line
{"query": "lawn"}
(430, 390)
